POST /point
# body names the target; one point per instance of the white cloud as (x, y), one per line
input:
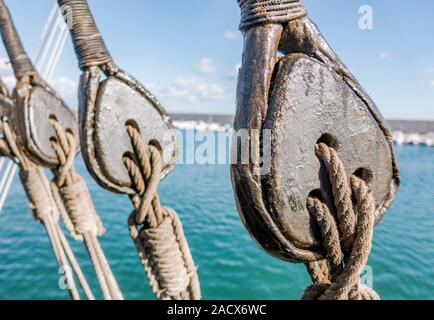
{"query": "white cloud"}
(432, 84)
(384, 55)
(65, 87)
(233, 75)
(206, 65)
(191, 89)
(231, 35)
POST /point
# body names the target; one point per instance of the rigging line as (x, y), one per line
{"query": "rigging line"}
(56, 57)
(37, 49)
(5, 175)
(48, 44)
(8, 185)
(2, 162)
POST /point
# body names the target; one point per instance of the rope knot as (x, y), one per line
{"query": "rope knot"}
(347, 236)
(160, 241)
(322, 291)
(171, 266)
(77, 208)
(81, 217)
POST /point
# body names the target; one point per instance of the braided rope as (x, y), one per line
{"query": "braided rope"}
(88, 43)
(344, 283)
(256, 12)
(160, 242)
(19, 59)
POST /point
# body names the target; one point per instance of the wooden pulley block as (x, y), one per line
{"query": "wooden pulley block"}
(36, 105)
(35, 101)
(296, 101)
(108, 105)
(106, 108)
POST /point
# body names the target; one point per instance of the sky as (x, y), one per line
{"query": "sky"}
(188, 52)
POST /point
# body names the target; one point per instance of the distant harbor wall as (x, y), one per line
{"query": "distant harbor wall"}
(404, 131)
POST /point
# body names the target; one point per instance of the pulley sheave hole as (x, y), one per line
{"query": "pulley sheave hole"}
(330, 141)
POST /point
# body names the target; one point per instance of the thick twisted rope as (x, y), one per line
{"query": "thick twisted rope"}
(160, 242)
(79, 215)
(88, 42)
(338, 277)
(19, 59)
(256, 12)
(341, 191)
(44, 211)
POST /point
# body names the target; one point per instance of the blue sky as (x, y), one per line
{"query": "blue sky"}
(187, 52)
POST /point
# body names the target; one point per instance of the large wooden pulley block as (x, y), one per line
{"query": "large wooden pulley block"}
(36, 105)
(309, 103)
(107, 108)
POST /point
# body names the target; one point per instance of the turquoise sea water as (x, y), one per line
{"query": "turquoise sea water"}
(231, 266)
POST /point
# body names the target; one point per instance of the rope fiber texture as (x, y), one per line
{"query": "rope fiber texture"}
(88, 43)
(20, 61)
(78, 213)
(44, 211)
(256, 12)
(157, 231)
(81, 216)
(346, 239)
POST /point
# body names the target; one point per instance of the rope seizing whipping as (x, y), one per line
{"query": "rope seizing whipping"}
(256, 12)
(157, 231)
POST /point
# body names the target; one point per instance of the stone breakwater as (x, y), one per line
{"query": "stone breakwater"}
(404, 131)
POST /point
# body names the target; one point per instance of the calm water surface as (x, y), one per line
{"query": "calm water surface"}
(231, 266)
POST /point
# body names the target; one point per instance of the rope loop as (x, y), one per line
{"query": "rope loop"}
(346, 239)
(256, 12)
(157, 231)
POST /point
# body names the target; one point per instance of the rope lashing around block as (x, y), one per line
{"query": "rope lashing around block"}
(157, 231)
(79, 213)
(256, 12)
(88, 42)
(44, 211)
(338, 277)
(21, 63)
